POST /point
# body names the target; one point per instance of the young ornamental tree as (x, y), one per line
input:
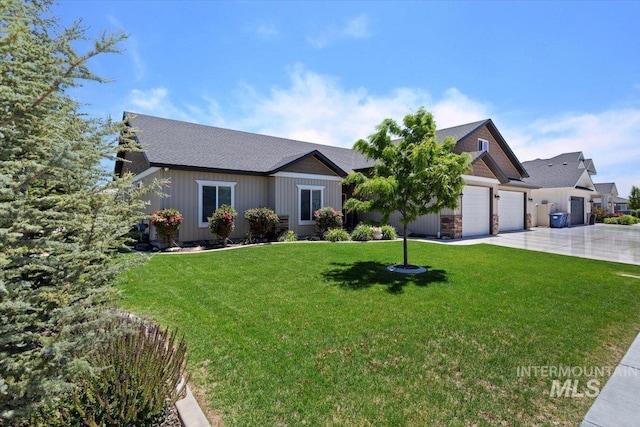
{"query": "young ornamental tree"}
(413, 174)
(634, 198)
(62, 215)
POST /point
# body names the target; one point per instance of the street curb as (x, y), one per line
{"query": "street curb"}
(190, 413)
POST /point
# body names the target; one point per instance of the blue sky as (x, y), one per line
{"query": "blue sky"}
(554, 76)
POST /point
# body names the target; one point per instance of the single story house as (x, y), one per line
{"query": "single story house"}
(210, 166)
(608, 198)
(565, 185)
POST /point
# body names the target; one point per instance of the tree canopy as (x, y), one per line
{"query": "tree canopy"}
(634, 198)
(413, 174)
(63, 214)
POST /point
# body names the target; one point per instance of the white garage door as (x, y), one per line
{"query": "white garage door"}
(511, 210)
(475, 211)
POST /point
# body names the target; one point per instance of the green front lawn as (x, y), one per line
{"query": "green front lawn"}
(321, 334)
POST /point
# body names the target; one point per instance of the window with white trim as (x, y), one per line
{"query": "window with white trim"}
(212, 195)
(310, 199)
(483, 144)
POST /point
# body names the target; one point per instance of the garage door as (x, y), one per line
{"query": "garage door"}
(577, 210)
(475, 211)
(511, 210)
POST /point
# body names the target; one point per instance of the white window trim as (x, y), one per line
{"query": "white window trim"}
(483, 144)
(308, 187)
(201, 184)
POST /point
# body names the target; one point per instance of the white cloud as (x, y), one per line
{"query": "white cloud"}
(611, 138)
(356, 28)
(317, 108)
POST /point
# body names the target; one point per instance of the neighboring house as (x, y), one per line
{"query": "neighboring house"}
(565, 185)
(209, 166)
(607, 198)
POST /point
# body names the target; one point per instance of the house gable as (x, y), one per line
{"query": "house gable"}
(310, 165)
(496, 148)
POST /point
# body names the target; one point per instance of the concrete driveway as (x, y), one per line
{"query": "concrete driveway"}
(618, 243)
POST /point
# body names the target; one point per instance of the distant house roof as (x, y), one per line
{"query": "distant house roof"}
(562, 171)
(606, 188)
(178, 144)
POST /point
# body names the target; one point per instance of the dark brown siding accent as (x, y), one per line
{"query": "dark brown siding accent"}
(479, 168)
(470, 143)
(310, 165)
(135, 163)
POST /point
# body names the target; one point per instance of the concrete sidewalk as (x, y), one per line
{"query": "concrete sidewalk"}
(618, 404)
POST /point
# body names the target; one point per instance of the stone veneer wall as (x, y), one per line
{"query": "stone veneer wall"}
(528, 224)
(495, 224)
(451, 226)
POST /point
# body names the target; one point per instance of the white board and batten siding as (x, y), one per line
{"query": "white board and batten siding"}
(511, 210)
(476, 218)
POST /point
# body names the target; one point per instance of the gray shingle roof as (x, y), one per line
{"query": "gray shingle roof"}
(174, 143)
(605, 187)
(178, 144)
(459, 132)
(561, 171)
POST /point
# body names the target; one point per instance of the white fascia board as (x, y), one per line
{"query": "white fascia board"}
(479, 179)
(307, 176)
(145, 173)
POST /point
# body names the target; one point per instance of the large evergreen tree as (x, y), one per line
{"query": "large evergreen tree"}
(413, 174)
(634, 198)
(62, 214)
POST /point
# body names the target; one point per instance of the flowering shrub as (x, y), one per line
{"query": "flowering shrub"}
(166, 222)
(326, 219)
(221, 222)
(288, 236)
(261, 221)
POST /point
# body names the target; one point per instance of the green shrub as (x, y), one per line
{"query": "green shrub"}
(389, 233)
(262, 221)
(336, 235)
(327, 219)
(627, 220)
(362, 233)
(288, 236)
(613, 220)
(140, 373)
(221, 222)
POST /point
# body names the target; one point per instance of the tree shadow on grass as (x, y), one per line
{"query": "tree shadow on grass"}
(364, 274)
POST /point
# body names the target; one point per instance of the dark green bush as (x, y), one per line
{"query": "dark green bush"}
(139, 374)
(362, 233)
(336, 235)
(262, 221)
(389, 233)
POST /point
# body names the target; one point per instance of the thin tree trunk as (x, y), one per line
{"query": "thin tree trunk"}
(404, 244)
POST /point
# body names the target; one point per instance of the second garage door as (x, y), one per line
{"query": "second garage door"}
(511, 210)
(475, 211)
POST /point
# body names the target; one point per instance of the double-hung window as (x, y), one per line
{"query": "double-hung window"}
(310, 199)
(483, 144)
(212, 195)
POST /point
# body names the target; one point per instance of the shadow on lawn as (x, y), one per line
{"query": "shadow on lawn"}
(364, 274)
